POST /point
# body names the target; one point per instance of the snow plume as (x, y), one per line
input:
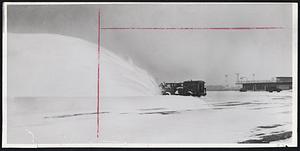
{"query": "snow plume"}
(50, 65)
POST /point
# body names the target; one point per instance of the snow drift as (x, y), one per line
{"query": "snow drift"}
(54, 65)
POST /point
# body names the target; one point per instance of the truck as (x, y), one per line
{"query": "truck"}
(186, 88)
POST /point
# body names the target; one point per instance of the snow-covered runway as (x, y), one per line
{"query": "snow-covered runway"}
(219, 117)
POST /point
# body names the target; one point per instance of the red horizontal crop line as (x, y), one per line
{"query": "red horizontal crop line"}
(188, 28)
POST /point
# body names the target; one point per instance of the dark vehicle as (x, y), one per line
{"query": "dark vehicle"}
(243, 90)
(187, 88)
(271, 89)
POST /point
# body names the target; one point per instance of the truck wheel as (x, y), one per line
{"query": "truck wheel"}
(167, 93)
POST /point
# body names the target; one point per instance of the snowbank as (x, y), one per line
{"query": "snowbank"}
(50, 65)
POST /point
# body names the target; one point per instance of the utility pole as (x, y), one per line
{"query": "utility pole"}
(226, 80)
(237, 77)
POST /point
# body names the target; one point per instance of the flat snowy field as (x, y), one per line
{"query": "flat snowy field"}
(219, 117)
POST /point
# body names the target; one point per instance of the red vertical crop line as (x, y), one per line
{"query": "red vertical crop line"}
(98, 76)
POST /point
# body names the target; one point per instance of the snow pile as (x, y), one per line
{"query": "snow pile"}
(53, 65)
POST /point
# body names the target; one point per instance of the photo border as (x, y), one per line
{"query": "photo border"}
(135, 145)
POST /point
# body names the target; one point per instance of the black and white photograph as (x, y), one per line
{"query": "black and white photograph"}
(150, 74)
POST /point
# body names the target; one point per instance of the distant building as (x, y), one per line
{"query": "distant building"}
(215, 87)
(284, 79)
(221, 88)
(283, 83)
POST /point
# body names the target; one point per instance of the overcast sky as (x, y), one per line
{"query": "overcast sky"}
(177, 55)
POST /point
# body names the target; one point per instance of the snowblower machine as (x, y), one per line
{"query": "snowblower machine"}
(186, 88)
